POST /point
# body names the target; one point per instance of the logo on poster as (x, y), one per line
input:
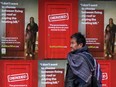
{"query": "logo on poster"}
(18, 77)
(58, 17)
(104, 76)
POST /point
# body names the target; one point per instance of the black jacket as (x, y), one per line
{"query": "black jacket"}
(72, 80)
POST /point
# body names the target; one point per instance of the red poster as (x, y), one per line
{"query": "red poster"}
(106, 73)
(59, 18)
(56, 28)
(19, 30)
(21, 74)
(94, 32)
(1, 73)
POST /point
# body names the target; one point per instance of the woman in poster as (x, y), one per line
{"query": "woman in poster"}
(108, 40)
(29, 41)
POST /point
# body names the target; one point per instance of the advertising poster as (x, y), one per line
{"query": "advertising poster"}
(18, 73)
(18, 29)
(106, 73)
(57, 20)
(51, 73)
(95, 17)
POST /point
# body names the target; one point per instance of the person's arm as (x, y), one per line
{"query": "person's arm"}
(36, 28)
(115, 28)
(70, 77)
(26, 30)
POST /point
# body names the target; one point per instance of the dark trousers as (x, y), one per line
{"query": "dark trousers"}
(34, 42)
(29, 47)
(113, 44)
(33, 47)
(108, 47)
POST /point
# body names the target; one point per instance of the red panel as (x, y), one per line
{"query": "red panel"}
(1, 73)
(113, 73)
(106, 73)
(58, 20)
(95, 30)
(55, 41)
(16, 29)
(20, 73)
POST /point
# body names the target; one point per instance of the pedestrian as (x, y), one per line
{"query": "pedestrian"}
(79, 73)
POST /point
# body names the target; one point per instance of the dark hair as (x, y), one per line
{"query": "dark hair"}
(79, 38)
(111, 19)
(31, 17)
